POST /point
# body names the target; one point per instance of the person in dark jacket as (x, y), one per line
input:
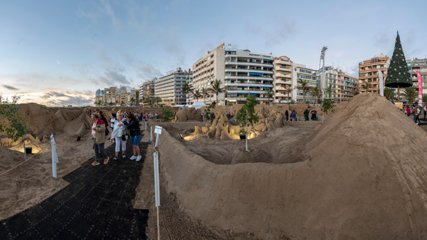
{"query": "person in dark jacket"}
(132, 124)
(306, 113)
(287, 115)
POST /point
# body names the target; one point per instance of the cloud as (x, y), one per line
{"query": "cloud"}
(147, 70)
(110, 78)
(10, 87)
(56, 98)
(279, 34)
(58, 62)
(20, 40)
(104, 9)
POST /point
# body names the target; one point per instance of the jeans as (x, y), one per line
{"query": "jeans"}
(135, 140)
(306, 118)
(415, 118)
(99, 149)
(287, 118)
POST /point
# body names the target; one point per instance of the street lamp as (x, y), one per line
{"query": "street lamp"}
(323, 79)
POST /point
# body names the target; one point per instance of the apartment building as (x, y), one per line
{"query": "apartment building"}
(341, 84)
(99, 96)
(242, 72)
(169, 87)
(283, 80)
(420, 65)
(110, 96)
(368, 72)
(147, 90)
(302, 73)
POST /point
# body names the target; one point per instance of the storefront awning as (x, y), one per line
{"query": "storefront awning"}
(266, 87)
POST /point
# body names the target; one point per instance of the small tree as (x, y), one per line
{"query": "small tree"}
(167, 115)
(123, 103)
(328, 90)
(204, 94)
(208, 112)
(246, 115)
(17, 124)
(326, 106)
(197, 94)
(355, 92)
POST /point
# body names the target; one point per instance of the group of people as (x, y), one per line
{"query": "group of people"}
(122, 126)
(416, 111)
(293, 116)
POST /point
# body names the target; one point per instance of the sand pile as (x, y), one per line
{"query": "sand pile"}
(188, 114)
(364, 177)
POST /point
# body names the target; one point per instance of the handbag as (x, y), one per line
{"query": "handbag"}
(124, 137)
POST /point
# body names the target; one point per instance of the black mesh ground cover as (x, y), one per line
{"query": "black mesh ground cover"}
(95, 205)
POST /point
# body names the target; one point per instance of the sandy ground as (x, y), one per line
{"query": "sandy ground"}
(361, 175)
(32, 182)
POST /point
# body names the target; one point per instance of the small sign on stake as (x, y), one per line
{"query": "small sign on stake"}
(158, 130)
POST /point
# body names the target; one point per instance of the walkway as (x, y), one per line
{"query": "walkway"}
(96, 204)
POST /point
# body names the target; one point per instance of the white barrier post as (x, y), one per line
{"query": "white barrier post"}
(54, 156)
(157, 189)
(145, 125)
(151, 133)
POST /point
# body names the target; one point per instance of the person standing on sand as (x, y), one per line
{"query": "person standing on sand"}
(306, 113)
(415, 112)
(98, 137)
(287, 115)
(313, 114)
(293, 115)
(135, 136)
(408, 111)
(119, 134)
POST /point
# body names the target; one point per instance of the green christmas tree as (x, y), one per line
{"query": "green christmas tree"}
(398, 75)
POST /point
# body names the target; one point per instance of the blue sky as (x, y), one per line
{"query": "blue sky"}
(55, 52)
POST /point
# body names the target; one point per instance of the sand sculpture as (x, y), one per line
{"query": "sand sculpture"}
(188, 114)
(364, 177)
(45, 121)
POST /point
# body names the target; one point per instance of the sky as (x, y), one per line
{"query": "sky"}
(60, 52)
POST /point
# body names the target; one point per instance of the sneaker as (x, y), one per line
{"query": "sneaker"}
(138, 158)
(124, 156)
(95, 163)
(133, 157)
(106, 160)
(115, 158)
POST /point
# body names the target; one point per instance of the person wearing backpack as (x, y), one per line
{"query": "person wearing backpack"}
(98, 137)
(119, 134)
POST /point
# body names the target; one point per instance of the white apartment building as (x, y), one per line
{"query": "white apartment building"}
(169, 87)
(242, 72)
(287, 75)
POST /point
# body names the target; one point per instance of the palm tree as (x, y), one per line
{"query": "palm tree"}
(288, 91)
(355, 92)
(197, 94)
(132, 101)
(366, 86)
(410, 94)
(204, 93)
(304, 87)
(269, 94)
(123, 103)
(187, 88)
(156, 100)
(389, 93)
(328, 90)
(216, 88)
(316, 92)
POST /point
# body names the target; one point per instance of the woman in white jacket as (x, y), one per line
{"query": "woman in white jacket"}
(119, 135)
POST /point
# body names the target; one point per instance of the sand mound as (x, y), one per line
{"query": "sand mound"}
(364, 177)
(188, 114)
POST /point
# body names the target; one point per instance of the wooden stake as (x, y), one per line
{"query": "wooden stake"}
(398, 93)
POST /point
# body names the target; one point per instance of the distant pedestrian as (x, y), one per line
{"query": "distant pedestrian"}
(408, 111)
(98, 137)
(120, 135)
(287, 115)
(112, 120)
(306, 113)
(135, 135)
(313, 115)
(415, 112)
(293, 116)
